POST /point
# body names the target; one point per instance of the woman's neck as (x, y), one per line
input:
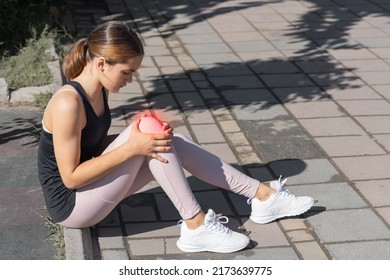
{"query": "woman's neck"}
(90, 82)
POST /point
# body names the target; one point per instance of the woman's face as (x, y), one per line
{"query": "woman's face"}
(119, 75)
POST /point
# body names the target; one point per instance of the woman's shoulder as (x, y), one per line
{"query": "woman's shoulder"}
(65, 100)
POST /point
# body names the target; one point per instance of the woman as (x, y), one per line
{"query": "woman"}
(82, 185)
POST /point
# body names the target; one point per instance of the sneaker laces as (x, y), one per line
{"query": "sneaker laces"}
(216, 224)
(276, 185)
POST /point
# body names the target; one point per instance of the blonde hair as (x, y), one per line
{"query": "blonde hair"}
(113, 40)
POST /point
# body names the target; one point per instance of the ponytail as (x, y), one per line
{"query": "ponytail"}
(113, 40)
(76, 60)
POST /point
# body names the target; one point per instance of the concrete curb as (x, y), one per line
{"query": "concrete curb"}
(78, 244)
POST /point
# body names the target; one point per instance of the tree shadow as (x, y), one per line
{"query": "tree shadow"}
(19, 124)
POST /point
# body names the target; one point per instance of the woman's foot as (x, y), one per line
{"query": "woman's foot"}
(212, 236)
(280, 203)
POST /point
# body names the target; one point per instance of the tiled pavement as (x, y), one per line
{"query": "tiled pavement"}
(299, 88)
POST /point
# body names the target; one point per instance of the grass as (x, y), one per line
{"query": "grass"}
(29, 66)
(42, 99)
(56, 234)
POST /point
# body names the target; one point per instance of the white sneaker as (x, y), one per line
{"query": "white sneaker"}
(213, 236)
(279, 205)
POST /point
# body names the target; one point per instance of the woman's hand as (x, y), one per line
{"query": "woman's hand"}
(167, 127)
(150, 144)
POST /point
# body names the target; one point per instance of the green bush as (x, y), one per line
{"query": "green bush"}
(29, 66)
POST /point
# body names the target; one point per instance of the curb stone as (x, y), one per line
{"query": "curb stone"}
(78, 244)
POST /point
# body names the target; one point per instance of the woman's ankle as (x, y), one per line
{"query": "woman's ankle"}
(196, 221)
(264, 192)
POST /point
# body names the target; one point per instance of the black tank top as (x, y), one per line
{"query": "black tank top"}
(60, 200)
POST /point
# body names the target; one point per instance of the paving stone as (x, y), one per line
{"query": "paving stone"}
(248, 112)
(368, 250)
(331, 127)
(248, 158)
(311, 251)
(208, 133)
(366, 65)
(375, 124)
(345, 226)
(325, 66)
(263, 56)
(293, 224)
(286, 80)
(233, 24)
(253, 46)
(237, 139)
(300, 235)
(365, 168)
(384, 90)
(268, 235)
(343, 79)
(208, 47)
(349, 146)
(315, 109)
(330, 196)
(166, 61)
(366, 107)
(300, 94)
(171, 247)
(152, 230)
(306, 171)
(115, 254)
(251, 96)
(381, 52)
(215, 59)
(171, 70)
(375, 77)
(273, 67)
(181, 85)
(189, 100)
(249, 36)
(280, 139)
(238, 82)
(282, 253)
(200, 116)
(229, 126)
(377, 192)
(355, 93)
(384, 140)
(360, 53)
(146, 247)
(110, 242)
(385, 213)
(200, 38)
(223, 151)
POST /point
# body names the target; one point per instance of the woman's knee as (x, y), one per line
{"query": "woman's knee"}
(150, 125)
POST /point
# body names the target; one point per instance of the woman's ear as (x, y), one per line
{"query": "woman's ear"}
(101, 63)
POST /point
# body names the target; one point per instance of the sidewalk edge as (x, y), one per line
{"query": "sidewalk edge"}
(78, 244)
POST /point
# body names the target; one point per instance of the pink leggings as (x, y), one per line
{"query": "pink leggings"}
(96, 200)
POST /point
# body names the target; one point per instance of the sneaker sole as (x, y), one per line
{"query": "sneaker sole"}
(193, 248)
(265, 220)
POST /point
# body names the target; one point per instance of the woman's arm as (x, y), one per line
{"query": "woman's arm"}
(67, 119)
